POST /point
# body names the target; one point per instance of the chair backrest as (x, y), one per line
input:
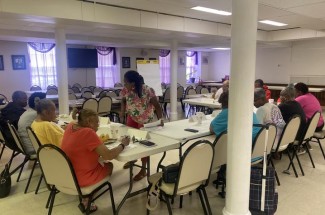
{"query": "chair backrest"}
(2, 138)
(4, 98)
(220, 150)
(289, 133)
(312, 125)
(57, 169)
(35, 88)
(52, 91)
(16, 137)
(70, 90)
(77, 85)
(87, 94)
(259, 141)
(52, 86)
(191, 92)
(98, 90)
(33, 138)
(163, 85)
(72, 96)
(204, 90)
(198, 89)
(92, 88)
(180, 92)
(111, 94)
(85, 89)
(118, 84)
(102, 93)
(195, 167)
(75, 89)
(104, 105)
(91, 104)
(167, 95)
(117, 91)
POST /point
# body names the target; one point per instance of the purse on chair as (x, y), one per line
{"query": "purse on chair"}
(170, 173)
(5, 182)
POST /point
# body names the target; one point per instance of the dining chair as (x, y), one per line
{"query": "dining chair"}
(198, 89)
(3, 143)
(319, 135)
(104, 106)
(111, 93)
(85, 89)
(180, 96)
(165, 99)
(117, 91)
(52, 91)
(191, 107)
(28, 156)
(75, 89)
(77, 85)
(52, 86)
(60, 176)
(35, 88)
(4, 98)
(204, 90)
(102, 93)
(87, 94)
(287, 137)
(70, 90)
(194, 174)
(72, 96)
(92, 88)
(118, 84)
(36, 144)
(97, 90)
(91, 104)
(309, 133)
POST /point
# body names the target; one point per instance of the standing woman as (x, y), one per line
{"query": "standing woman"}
(139, 103)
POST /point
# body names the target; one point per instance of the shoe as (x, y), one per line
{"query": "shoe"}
(140, 176)
(93, 208)
(128, 164)
(301, 151)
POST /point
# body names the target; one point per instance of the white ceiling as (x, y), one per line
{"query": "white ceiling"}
(305, 14)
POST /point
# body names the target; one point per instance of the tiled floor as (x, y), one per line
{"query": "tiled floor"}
(297, 196)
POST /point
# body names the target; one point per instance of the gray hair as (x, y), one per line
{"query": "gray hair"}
(288, 92)
(259, 93)
(44, 104)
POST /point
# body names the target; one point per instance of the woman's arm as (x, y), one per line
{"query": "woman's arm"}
(158, 109)
(107, 154)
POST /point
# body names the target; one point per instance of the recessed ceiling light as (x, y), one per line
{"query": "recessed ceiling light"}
(221, 48)
(210, 10)
(269, 22)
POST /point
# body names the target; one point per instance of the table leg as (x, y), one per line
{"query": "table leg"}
(129, 190)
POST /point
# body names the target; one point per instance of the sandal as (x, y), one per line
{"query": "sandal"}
(93, 208)
(140, 176)
(128, 164)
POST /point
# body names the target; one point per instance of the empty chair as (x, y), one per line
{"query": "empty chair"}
(72, 96)
(70, 90)
(199, 155)
(28, 156)
(102, 93)
(60, 177)
(165, 99)
(85, 89)
(77, 85)
(51, 86)
(104, 106)
(91, 104)
(92, 88)
(52, 91)
(117, 91)
(118, 84)
(75, 89)
(97, 90)
(35, 88)
(198, 89)
(204, 90)
(87, 94)
(180, 95)
(111, 94)
(318, 136)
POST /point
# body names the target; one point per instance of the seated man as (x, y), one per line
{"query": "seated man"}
(268, 113)
(220, 122)
(27, 118)
(224, 88)
(14, 109)
(260, 84)
(44, 127)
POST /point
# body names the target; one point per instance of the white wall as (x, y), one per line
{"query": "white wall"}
(219, 65)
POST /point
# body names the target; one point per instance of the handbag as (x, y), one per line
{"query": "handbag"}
(170, 173)
(5, 182)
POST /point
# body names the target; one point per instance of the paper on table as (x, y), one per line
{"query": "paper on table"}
(152, 124)
(130, 146)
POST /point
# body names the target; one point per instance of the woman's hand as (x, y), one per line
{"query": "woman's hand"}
(125, 140)
(161, 122)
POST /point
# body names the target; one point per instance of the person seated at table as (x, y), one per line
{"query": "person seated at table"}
(260, 84)
(80, 141)
(140, 103)
(224, 88)
(220, 123)
(268, 113)
(309, 104)
(14, 109)
(27, 118)
(43, 125)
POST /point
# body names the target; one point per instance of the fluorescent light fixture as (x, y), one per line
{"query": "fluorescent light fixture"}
(210, 10)
(269, 22)
(221, 48)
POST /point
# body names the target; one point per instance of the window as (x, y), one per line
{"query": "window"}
(192, 73)
(164, 66)
(106, 73)
(42, 64)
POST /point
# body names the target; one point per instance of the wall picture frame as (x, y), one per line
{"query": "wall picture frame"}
(18, 62)
(126, 62)
(2, 66)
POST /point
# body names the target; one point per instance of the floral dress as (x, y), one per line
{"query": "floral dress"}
(139, 109)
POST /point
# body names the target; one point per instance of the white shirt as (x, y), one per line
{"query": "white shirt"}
(25, 120)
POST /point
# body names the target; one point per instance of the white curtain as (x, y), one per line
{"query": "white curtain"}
(164, 64)
(106, 73)
(42, 65)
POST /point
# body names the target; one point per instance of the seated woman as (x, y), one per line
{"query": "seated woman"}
(27, 118)
(44, 127)
(80, 141)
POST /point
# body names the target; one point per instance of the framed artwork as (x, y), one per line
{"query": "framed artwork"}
(2, 67)
(126, 62)
(18, 62)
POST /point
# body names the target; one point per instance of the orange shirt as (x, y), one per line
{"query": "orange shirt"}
(79, 145)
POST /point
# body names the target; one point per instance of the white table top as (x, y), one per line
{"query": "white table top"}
(79, 102)
(137, 150)
(207, 95)
(176, 130)
(206, 102)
